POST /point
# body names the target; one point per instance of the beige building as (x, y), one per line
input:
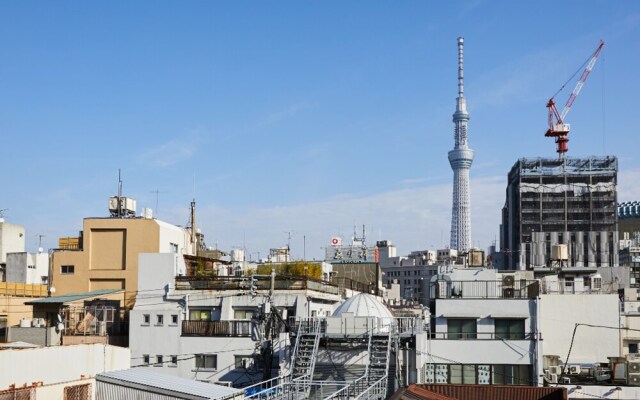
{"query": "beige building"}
(106, 254)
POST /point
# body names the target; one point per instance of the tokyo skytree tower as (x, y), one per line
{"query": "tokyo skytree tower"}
(460, 159)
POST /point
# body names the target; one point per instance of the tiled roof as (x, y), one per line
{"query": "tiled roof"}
(479, 392)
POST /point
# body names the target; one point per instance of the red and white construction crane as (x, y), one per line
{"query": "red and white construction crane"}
(558, 128)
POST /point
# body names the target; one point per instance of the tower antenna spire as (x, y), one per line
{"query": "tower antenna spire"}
(461, 158)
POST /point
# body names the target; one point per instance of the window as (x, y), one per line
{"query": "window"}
(160, 319)
(174, 319)
(146, 319)
(461, 328)
(173, 248)
(158, 361)
(470, 374)
(511, 375)
(206, 361)
(243, 314)
(174, 361)
(67, 269)
(633, 348)
(78, 392)
(200, 315)
(243, 361)
(145, 359)
(509, 328)
(568, 282)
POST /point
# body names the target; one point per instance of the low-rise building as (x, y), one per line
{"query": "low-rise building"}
(61, 372)
(219, 328)
(107, 254)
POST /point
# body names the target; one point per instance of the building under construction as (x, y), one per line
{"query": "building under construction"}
(569, 201)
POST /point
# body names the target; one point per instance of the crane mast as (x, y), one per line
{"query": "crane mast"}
(557, 127)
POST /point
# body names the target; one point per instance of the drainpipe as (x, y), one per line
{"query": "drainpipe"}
(537, 352)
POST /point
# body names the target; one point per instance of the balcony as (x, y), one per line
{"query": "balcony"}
(505, 289)
(216, 328)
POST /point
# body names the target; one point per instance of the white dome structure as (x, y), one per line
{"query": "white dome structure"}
(364, 305)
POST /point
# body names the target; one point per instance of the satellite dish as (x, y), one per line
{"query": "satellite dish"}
(60, 327)
(52, 289)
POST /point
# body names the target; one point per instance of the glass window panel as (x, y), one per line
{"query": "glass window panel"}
(200, 315)
(509, 328)
(461, 328)
(469, 374)
(455, 374)
(498, 375)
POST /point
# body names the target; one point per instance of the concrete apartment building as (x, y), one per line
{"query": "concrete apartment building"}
(570, 201)
(107, 254)
(12, 239)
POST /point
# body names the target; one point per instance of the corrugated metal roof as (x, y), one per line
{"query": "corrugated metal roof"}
(72, 297)
(479, 392)
(167, 383)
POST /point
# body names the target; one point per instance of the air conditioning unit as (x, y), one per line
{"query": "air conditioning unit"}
(574, 369)
(38, 323)
(555, 370)
(633, 379)
(634, 367)
(552, 378)
(508, 293)
(508, 280)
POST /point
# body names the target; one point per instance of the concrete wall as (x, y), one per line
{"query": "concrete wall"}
(39, 336)
(560, 313)
(27, 267)
(12, 239)
(59, 364)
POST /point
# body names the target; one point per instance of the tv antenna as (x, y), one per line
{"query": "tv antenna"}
(157, 193)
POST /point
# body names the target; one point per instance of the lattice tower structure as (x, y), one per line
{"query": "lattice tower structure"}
(461, 158)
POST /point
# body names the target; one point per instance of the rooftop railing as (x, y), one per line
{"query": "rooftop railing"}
(502, 289)
(282, 282)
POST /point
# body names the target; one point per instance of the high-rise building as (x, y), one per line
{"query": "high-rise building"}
(460, 159)
(569, 202)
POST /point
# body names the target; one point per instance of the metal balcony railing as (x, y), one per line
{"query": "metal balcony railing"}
(216, 328)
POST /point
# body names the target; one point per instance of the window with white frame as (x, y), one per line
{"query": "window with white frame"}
(206, 361)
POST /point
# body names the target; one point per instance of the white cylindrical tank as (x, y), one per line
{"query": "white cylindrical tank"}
(559, 252)
(237, 255)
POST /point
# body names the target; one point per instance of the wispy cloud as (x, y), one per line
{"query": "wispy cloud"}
(286, 112)
(169, 153)
(413, 218)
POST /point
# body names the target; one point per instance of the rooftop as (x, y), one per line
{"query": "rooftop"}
(168, 385)
(72, 297)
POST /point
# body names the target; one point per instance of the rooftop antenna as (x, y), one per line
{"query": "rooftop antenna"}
(2, 211)
(157, 193)
(40, 243)
(194, 238)
(119, 194)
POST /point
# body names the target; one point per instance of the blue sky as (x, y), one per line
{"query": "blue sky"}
(302, 117)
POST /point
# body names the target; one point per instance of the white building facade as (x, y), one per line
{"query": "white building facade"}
(213, 329)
